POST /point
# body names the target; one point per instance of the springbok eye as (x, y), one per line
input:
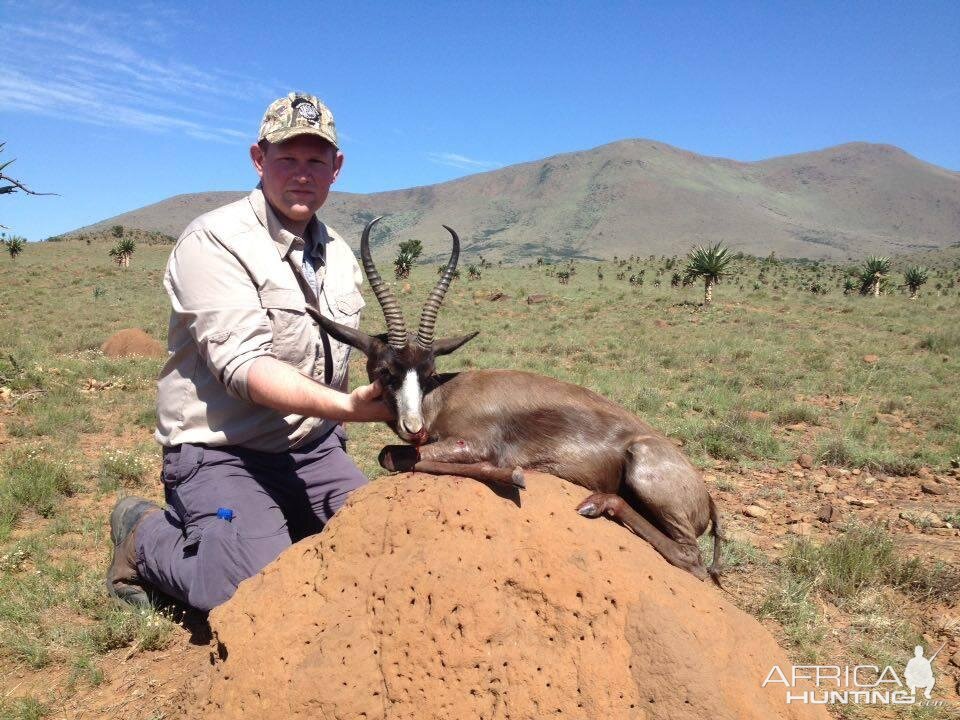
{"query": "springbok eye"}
(389, 379)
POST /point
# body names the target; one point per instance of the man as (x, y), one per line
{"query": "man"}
(251, 402)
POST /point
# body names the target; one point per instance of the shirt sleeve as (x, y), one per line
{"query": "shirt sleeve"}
(220, 305)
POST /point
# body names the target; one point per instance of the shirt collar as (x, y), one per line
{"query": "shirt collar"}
(284, 239)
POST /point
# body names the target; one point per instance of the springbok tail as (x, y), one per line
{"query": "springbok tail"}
(715, 569)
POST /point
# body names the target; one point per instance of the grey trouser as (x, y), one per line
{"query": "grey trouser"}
(191, 554)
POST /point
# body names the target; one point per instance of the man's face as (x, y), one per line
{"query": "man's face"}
(296, 176)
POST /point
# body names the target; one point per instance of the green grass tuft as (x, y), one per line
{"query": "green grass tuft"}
(23, 708)
(944, 341)
(120, 469)
(28, 481)
(864, 556)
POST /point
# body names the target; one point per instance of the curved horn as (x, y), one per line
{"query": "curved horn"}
(396, 328)
(428, 318)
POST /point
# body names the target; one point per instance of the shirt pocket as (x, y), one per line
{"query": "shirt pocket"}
(293, 341)
(347, 307)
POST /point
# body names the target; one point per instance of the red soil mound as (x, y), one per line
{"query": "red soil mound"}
(132, 342)
(433, 597)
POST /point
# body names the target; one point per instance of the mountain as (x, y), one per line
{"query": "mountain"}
(638, 197)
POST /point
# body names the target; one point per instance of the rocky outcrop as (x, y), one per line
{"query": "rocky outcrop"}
(439, 597)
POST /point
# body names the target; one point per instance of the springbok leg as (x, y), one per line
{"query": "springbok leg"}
(482, 471)
(685, 557)
(448, 457)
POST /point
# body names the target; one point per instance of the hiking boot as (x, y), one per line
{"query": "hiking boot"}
(123, 581)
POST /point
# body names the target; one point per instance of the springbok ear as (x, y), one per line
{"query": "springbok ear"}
(446, 346)
(367, 344)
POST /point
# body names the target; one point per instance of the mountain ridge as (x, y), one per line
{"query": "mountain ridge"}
(639, 196)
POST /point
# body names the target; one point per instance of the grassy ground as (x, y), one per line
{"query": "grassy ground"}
(866, 386)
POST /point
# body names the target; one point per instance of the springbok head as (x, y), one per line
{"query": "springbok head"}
(401, 361)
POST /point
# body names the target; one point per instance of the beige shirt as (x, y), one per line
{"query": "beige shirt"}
(236, 284)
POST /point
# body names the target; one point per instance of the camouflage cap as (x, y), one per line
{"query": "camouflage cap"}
(297, 114)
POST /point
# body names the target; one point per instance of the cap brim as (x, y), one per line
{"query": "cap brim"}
(280, 136)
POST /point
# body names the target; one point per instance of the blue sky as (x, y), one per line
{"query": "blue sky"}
(118, 106)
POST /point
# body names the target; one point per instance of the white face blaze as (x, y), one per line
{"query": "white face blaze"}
(410, 404)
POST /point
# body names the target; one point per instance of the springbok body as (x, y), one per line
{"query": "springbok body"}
(491, 424)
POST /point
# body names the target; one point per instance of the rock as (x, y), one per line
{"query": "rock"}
(861, 502)
(534, 299)
(406, 288)
(924, 473)
(765, 504)
(955, 659)
(438, 597)
(856, 471)
(922, 519)
(871, 359)
(755, 511)
(805, 461)
(825, 514)
(799, 427)
(833, 472)
(803, 529)
(799, 518)
(132, 342)
(661, 323)
(887, 419)
(498, 296)
(932, 488)
(757, 415)
(827, 488)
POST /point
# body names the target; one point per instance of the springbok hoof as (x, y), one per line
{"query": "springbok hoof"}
(589, 509)
(398, 458)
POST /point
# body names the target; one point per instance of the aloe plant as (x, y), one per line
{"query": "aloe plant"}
(15, 245)
(913, 278)
(872, 274)
(123, 251)
(709, 264)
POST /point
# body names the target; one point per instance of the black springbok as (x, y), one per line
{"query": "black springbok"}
(491, 424)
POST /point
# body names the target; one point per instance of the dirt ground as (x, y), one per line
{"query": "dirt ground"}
(158, 684)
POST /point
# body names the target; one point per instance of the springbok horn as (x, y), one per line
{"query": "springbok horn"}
(428, 318)
(396, 328)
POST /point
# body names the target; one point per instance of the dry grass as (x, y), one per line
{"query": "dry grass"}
(794, 357)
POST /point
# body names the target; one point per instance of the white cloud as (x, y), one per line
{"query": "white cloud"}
(77, 64)
(461, 161)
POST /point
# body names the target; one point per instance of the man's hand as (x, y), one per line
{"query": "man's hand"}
(368, 405)
(276, 385)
